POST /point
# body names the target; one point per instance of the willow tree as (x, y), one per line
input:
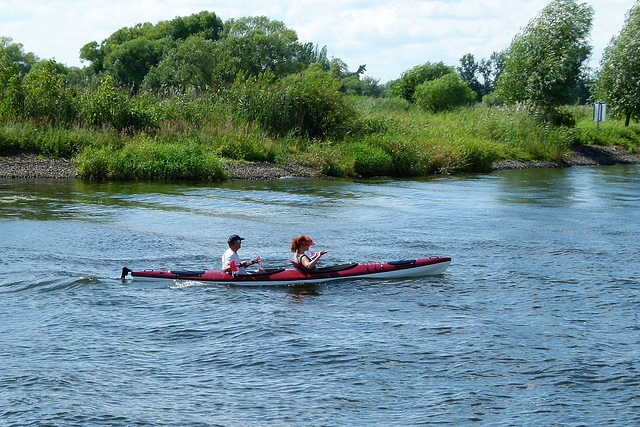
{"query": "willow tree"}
(544, 61)
(620, 69)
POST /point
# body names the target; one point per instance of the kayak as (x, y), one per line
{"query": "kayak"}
(289, 276)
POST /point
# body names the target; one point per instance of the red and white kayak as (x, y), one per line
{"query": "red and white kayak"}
(290, 276)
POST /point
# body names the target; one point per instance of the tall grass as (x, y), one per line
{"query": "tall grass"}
(146, 159)
(190, 135)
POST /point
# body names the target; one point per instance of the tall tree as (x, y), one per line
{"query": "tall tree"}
(131, 61)
(16, 54)
(261, 45)
(11, 91)
(544, 61)
(192, 64)
(620, 69)
(468, 71)
(119, 52)
(490, 70)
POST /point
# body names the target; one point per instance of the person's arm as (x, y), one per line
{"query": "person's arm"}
(311, 262)
(228, 261)
(243, 264)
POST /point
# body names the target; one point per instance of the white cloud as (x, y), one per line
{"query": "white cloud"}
(389, 36)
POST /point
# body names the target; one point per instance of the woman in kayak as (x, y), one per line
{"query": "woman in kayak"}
(299, 246)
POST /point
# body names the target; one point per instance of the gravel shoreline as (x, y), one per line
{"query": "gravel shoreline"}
(34, 167)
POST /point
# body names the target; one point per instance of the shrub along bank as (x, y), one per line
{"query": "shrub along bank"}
(303, 118)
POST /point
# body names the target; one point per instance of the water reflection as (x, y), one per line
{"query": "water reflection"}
(586, 186)
(303, 291)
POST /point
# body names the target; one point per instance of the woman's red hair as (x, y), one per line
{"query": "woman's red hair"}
(296, 242)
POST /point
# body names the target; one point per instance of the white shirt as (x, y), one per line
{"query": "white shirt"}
(228, 256)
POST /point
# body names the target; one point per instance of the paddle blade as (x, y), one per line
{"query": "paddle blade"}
(259, 261)
(233, 265)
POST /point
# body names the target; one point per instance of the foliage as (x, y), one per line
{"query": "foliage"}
(586, 86)
(367, 86)
(11, 92)
(612, 132)
(47, 97)
(52, 141)
(194, 133)
(15, 54)
(308, 103)
(199, 51)
(144, 159)
(406, 85)
(468, 72)
(192, 64)
(481, 76)
(493, 99)
(444, 93)
(259, 45)
(204, 24)
(119, 52)
(544, 61)
(177, 99)
(620, 72)
(107, 105)
(131, 61)
(491, 69)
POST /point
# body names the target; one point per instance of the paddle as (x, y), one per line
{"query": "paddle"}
(234, 266)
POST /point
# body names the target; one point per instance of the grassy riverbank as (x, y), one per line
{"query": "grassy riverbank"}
(200, 141)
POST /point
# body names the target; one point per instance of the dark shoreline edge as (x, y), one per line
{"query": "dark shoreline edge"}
(35, 167)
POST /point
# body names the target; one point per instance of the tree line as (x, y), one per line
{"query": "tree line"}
(542, 70)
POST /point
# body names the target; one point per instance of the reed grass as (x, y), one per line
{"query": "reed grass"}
(191, 136)
(145, 159)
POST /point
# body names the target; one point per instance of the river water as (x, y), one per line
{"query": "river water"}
(536, 321)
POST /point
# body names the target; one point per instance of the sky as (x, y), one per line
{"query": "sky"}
(390, 37)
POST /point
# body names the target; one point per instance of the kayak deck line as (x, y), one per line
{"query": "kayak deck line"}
(287, 276)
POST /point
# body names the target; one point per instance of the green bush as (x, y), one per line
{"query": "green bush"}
(47, 97)
(241, 146)
(408, 159)
(146, 159)
(556, 116)
(444, 93)
(608, 133)
(476, 157)
(493, 99)
(370, 160)
(108, 105)
(308, 103)
(11, 92)
(407, 84)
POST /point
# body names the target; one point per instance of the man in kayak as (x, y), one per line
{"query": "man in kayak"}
(299, 246)
(231, 263)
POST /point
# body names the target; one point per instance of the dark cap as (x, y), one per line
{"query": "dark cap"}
(234, 238)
